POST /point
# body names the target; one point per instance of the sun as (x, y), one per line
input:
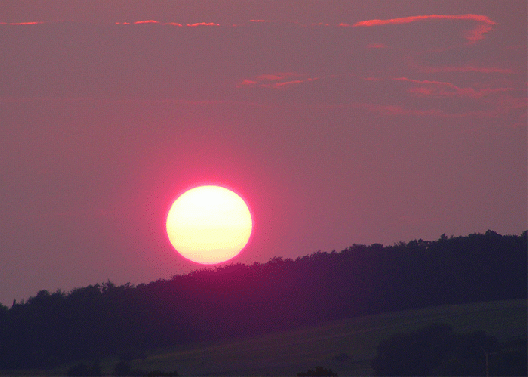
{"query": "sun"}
(209, 224)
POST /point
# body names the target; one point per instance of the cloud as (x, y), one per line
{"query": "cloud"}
(22, 23)
(169, 23)
(146, 22)
(277, 80)
(447, 89)
(203, 24)
(474, 35)
(406, 20)
(140, 22)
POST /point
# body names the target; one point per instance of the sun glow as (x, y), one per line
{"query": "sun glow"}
(209, 224)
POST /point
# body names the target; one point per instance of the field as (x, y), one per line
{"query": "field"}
(345, 346)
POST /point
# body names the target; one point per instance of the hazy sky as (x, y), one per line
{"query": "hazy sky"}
(339, 122)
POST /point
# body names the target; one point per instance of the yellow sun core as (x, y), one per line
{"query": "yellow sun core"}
(209, 224)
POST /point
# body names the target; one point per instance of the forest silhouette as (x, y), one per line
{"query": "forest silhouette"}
(50, 329)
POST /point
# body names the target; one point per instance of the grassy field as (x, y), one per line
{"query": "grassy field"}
(345, 346)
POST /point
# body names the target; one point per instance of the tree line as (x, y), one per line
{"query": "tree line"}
(100, 320)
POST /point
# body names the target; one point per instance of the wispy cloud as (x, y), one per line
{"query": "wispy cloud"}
(474, 35)
(22, 23)
(146, 22)
(203, 24)
(447, 89)
(484, 24)
(169, 23)
(405, 20)
(140, 22)
(277, 80)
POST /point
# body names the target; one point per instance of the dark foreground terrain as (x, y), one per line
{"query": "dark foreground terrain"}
(347, 347)
(201, 314)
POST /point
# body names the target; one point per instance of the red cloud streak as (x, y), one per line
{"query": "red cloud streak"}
(147, 22)
(406, 20)
(473, 35)
(22, 23)
(203, 24)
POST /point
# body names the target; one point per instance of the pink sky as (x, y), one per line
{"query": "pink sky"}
(339, 122)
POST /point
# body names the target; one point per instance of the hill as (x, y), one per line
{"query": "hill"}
(239, 301)
(346, 346)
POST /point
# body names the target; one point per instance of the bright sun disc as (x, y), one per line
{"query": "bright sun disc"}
(209, 224)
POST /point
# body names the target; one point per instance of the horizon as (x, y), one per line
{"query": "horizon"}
(229, 263)
(337, 122)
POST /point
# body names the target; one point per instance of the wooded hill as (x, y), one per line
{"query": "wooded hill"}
(240, 300)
